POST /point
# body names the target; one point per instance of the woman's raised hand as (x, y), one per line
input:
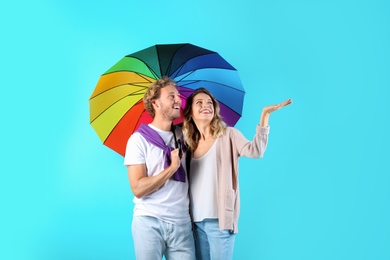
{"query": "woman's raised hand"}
(267, 110)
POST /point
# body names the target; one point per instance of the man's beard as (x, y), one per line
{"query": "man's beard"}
(169, 113)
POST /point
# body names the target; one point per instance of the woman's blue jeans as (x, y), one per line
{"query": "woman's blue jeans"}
(211, 243)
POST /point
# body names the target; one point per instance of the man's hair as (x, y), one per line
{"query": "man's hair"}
(154, 91)
(190, 131)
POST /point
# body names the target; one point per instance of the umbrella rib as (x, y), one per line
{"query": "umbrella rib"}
(159, 65)
(210, 67)
(150, 69)
(132, 94)
(142, 75)
(170, 61)
(229, 108)
(139, 118)
(138, 84)
(133, 71)
(112, 130)
(197, 81)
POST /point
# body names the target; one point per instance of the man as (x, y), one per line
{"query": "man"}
(161, 221)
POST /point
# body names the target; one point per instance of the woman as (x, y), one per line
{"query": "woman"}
(214, 149)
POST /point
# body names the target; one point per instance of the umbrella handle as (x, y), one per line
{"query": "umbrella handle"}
(178, 144)
(180, 148)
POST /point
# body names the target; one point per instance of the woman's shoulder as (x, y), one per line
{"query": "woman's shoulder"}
(229, 131)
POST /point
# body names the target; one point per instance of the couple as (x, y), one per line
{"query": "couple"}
(162, 223)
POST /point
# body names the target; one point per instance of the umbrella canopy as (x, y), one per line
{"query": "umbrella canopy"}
(116, 107)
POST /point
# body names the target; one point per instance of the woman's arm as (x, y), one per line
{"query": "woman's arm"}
(256, 148)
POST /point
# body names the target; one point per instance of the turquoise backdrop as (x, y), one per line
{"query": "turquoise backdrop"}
(320, 193)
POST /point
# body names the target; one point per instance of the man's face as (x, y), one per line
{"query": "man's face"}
(169, 103)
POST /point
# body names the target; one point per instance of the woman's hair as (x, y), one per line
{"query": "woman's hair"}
(190, 131)
(153, 92)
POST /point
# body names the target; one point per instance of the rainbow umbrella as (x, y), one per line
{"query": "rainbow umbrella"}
(116, 107)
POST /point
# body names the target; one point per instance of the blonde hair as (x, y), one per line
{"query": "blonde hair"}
(190, 131)
(153, 92)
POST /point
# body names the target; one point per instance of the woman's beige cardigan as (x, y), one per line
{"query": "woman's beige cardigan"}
(230, 147)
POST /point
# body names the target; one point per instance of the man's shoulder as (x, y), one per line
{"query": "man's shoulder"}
(136, 139)
(135, 136)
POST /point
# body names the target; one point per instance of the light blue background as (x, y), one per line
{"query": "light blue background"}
(321, 191)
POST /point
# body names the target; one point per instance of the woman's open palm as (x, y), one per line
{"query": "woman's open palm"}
(272, 108)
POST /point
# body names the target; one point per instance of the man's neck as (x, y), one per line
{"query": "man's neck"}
(161, 124)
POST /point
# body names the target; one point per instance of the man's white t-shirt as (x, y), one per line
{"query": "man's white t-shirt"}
(169, 203)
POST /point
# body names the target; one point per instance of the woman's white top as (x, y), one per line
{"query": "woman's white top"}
(203, 185)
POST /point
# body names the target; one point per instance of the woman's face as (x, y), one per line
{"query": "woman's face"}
(202, 108)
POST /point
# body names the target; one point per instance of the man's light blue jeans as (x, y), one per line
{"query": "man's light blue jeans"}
(154, 238)
(211, 243)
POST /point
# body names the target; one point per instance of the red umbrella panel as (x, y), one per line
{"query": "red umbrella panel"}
(116, 107)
